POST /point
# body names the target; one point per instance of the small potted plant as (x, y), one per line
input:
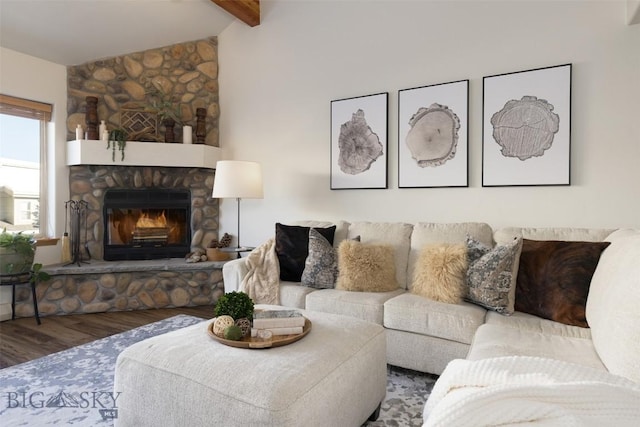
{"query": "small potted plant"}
(236, 304)
(16, 252)
(239, 306)
(213, 248)
(167, 110)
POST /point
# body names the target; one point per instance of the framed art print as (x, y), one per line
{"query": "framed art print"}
(359, 131)
(433, 135)
(526, 128)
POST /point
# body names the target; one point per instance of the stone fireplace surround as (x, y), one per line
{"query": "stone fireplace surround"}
(89, 182)
(99, 285)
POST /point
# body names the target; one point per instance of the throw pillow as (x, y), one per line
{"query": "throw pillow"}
(492, 274)
(321, 265)
(440, 273)
(554, 279)
(366, 267)
(292, 248)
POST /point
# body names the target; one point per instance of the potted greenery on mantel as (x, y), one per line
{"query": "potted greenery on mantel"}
(117, 139)
(167, 110)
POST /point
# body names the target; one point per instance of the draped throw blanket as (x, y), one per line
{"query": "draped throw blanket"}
(533, 391)
(262, 281)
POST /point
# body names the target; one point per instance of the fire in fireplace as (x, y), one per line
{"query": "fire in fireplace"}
(146, 224)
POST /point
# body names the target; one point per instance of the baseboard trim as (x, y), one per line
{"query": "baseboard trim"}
(5, 312)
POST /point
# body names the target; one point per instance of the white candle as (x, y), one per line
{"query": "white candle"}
(187, 134)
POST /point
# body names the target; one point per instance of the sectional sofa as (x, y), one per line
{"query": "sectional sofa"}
(427, 335)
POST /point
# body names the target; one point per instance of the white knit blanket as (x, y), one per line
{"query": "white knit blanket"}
(506, 391)
(262, 281)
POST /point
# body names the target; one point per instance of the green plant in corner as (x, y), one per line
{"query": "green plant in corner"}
(117, 139)
(235, 304)
(37, 275)
(17, 251)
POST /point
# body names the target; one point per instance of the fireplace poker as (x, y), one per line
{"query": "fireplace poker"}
(77, 210)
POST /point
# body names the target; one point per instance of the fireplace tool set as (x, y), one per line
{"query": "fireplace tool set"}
(77, 221)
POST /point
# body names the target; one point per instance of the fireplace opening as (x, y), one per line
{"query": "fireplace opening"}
(146, 224)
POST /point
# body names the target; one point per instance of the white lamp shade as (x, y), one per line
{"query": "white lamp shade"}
(237, 179)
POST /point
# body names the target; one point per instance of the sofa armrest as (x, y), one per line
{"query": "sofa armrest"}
(232, 274)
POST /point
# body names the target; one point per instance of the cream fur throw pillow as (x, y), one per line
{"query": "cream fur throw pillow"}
(440, 273)
(366, 267)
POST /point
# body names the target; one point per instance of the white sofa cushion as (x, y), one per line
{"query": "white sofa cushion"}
(613, 305)
(507, 234)
(293, 294)
(413, 313)
(497, 340)
(533, 323)
(396, 234)
(361, 305)
(427, 233)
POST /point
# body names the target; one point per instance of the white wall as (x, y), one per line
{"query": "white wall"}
(32, 78)
(277, 81)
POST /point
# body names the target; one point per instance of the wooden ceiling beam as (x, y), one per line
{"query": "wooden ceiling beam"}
(248, 11)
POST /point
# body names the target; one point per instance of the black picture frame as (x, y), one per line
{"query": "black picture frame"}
(526, 128)
(433, 135)
(359, 142)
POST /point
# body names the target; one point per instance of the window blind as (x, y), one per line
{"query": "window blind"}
(25, 108)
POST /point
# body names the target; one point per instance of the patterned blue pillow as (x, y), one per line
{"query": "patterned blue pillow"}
(321, 265)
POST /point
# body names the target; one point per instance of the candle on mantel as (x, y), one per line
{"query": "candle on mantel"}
(187, 135)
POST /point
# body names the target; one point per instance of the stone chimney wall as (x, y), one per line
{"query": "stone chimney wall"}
(187, 73)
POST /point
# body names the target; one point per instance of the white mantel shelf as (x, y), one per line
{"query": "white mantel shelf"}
(90, 152)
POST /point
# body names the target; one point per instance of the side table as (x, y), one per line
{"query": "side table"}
(237, 250)
(20, 279)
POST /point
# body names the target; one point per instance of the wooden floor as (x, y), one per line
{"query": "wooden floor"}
(22, 339)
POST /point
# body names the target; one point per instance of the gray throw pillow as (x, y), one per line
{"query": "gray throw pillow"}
(492, 274)
(321, 266)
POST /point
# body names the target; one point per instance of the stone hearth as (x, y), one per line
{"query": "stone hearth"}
(123, 285)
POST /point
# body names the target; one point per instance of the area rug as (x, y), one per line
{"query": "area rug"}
(75, 386)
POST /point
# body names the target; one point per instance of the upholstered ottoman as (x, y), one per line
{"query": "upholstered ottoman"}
(334, 376)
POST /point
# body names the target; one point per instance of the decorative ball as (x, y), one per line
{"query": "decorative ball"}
(233, 333)
(245, 326)
(221, 323)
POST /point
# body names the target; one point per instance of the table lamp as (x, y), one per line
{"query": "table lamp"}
(240, 180)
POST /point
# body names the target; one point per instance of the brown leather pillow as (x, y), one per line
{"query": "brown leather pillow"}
(554, 279)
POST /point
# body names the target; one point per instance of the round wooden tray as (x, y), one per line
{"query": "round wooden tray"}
(255, 343)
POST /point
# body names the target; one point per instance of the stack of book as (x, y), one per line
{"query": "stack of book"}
(278, 322)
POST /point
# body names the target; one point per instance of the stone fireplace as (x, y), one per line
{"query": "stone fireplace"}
(101, 285)
(92, 183)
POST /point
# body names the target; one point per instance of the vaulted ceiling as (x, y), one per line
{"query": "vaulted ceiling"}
(71, 32)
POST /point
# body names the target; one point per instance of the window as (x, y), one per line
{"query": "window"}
(22, 164)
